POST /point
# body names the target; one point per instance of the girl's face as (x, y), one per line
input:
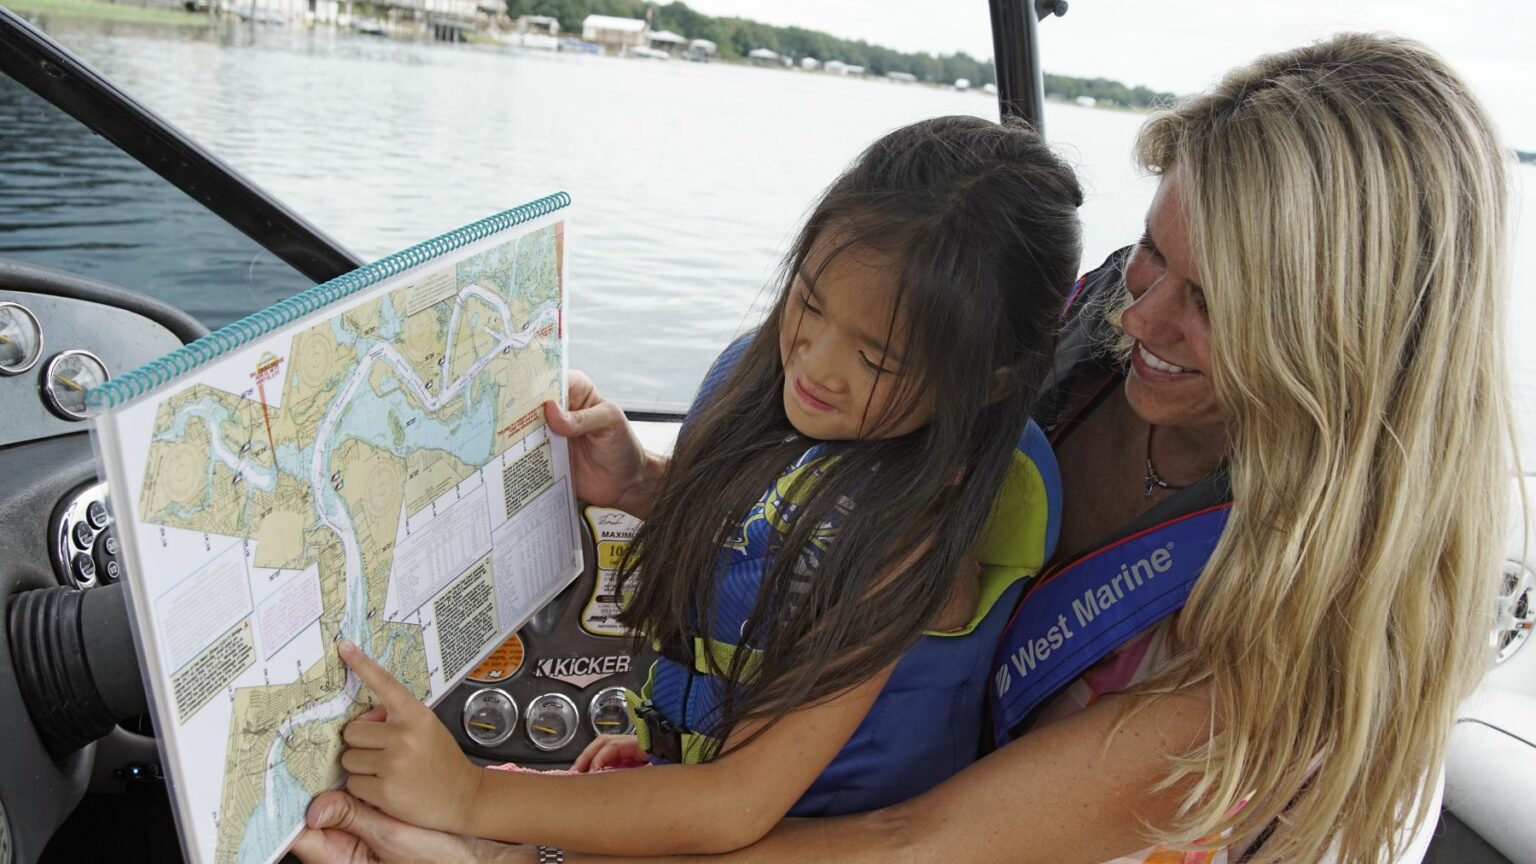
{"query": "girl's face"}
(842, 348)
(1169, 383)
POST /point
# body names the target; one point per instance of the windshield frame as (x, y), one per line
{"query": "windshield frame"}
(38, 63)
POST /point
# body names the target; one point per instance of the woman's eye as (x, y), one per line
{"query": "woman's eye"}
(805, 303)
(1146, 243)
(1199, 298)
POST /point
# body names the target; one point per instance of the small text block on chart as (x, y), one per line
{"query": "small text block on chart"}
(524, 479)
(466, 618)
(289, 610)
(203, 606)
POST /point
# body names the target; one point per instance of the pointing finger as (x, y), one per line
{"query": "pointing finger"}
(392, 694)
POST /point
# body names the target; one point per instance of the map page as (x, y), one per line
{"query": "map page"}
(378, 471)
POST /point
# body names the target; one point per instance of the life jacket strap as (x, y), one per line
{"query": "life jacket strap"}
(664, 740)
(1078, 613)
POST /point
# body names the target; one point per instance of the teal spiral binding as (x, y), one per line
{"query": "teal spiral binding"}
(157, 373)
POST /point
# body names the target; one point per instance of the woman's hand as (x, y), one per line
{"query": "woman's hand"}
(402, 759)
(610, 467)
(340, 829)
(611, 751)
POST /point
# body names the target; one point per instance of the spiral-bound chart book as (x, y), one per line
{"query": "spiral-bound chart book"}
(367, 460)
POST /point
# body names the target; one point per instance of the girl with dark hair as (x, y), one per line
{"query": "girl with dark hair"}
(822, 644)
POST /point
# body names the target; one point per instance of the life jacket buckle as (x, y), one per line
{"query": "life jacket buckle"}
(666, 740)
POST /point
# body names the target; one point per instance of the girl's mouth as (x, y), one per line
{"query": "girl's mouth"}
(809, 400)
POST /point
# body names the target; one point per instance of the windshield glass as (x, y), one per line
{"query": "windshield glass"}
(688, 178)
(71, 201)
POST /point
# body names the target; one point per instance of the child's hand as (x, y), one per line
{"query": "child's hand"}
(402, 759)
(610, 751)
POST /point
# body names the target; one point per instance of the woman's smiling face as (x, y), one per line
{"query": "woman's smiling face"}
(1169, 383)
(841, 343)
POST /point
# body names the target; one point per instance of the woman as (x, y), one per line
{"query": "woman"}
(1315, 311)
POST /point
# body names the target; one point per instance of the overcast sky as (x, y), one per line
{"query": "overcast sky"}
(1184, 45)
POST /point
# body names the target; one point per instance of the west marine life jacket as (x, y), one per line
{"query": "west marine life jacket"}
(925, 724)
(1082, 609)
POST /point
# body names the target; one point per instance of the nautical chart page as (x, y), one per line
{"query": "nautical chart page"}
(378, 471)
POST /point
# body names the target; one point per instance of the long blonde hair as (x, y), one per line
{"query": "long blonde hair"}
(1348, 204)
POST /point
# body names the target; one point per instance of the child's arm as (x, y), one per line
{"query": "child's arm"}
(405, 762)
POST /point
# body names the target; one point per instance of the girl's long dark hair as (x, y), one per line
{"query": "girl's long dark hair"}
(980, 220)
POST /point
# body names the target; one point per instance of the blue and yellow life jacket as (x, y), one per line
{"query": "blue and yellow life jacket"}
(925, 724)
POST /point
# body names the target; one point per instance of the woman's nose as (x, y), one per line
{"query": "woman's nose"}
(1153, 316)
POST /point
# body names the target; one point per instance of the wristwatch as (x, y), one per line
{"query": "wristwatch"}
(551, 855)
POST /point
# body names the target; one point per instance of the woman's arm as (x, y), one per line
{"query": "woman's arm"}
(610, 468)
(404, 762)
(1069, 792)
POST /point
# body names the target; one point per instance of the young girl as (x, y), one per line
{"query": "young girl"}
(821, 642)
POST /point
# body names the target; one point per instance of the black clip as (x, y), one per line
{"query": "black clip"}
(666, 739)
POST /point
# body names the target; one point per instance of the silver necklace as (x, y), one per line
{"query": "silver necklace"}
(1153, 480)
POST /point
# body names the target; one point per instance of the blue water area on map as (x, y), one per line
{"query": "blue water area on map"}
(264, 832)
(389, 320)
(341, 334)
(468, 435)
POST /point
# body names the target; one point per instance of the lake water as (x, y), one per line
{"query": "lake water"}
(689, 179)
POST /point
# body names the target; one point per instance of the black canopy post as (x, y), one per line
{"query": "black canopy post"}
(1016, 57)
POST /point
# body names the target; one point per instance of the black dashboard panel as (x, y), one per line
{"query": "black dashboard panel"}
(120, 338)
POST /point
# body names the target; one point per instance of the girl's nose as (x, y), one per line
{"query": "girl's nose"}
(818, 361)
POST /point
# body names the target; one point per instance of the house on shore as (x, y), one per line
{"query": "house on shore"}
(702, 50)
(666, 40)
(902, 77)
(764, 57)
(543, 25)
(810, 64)
(615, 35)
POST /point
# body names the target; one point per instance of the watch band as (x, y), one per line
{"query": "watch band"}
(551, 855)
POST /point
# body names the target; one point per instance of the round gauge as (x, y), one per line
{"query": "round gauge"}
(68, 375)
(490, 715)
(21, 339)
(609, 713)
(551, 721)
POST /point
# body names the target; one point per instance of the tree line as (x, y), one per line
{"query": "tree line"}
(734, 37)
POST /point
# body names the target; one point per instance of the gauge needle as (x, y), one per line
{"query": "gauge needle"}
(68, 383)
(478, 725)
(608, 723)
(546, 730)
(4, 340)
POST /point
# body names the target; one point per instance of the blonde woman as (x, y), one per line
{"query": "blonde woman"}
(1314, 317)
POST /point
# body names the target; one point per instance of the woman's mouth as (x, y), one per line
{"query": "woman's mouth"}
(810, 400)
(1155, 368)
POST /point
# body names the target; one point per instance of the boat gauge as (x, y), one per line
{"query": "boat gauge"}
(66, 378)
(609, 714)
(21, 339)
(551, 721)
(490, 716)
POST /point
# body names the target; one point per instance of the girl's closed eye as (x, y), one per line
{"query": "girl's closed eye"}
(1146, 243)
(805, 296)
(874, 366)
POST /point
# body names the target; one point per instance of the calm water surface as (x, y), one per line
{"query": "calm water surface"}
(689, 179)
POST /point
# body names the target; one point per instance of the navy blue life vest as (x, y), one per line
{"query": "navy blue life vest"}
(925, 724)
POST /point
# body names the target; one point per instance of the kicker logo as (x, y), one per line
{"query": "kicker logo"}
(581, 671)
